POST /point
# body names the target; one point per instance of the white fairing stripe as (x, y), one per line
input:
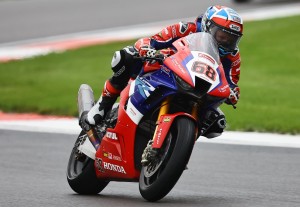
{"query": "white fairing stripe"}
(133, 113)
(207, 61)
(88, 149)
(132, 86)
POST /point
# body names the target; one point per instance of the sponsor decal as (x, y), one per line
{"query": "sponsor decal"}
(165, 70)
(113, 167)
(236, 19)
(111, 135)
(132, 112)
(107, 155)
(167, 119)
(119, 72)
(178, 65)
(207, 57)
(235, 63)
(158, 135)
(115, 157)
(223, 89)
(111, 156)
(235, 27)
(174, 31)
(99, 165)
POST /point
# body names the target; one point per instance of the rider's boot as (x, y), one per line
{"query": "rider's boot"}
(98, 112)
(213, 124)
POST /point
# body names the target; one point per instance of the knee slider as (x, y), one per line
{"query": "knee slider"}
(117, 58)
(221, 122)
(122, 57)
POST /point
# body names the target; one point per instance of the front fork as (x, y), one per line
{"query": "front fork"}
(165, 106)
(164, 109)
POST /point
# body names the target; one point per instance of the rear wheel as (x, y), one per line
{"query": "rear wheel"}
(161, 174)
(81, 173)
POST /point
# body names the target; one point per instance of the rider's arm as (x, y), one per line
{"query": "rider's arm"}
(232, 64)
(167, 36)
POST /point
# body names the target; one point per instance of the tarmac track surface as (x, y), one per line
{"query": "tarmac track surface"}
(33, 167)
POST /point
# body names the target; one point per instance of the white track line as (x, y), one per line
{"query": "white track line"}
(257, 139)
(70, 126)
(64, 126)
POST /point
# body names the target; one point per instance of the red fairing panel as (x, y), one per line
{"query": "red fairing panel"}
(222, 90)
(163, 127)
(175, 61)
(112, 162)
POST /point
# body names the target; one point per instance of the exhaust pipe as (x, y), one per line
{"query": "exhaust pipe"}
(85, 102)
(85, 99)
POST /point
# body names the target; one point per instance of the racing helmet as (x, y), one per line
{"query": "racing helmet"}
(225, 25)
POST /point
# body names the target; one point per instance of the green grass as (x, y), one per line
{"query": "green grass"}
(49, 84)
(270, 77)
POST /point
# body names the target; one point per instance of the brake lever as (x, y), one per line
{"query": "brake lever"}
(159, 58)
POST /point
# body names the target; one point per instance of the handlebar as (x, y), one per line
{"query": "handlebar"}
(159, 58)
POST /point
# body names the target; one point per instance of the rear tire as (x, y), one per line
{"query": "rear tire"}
(157, 181)
(81, 173)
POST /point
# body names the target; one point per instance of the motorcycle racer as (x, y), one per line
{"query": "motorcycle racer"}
(223, 23)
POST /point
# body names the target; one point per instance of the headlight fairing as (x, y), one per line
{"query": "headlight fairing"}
(201, 87)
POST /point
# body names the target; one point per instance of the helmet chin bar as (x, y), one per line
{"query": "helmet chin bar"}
(226, 39)
(226, 21)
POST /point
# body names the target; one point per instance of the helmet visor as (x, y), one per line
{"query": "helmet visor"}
(225, 38)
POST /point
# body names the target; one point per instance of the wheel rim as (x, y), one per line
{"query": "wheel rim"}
(77, 162)
(153, 170)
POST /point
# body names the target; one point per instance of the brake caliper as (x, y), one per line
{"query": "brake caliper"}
(149, 154)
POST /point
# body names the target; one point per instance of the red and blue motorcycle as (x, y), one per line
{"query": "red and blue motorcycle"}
(149, 136)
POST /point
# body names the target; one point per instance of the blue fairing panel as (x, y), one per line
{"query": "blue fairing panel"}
(148, 85)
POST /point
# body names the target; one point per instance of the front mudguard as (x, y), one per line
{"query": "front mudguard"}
(163, 126)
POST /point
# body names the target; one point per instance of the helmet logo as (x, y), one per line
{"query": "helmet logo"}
(236, 19)
(235, 27)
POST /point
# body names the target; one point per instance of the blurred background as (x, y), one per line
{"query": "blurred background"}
(28, 19)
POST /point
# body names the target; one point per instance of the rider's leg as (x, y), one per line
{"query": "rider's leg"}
(104, 104)
(122, 65)
(213, 124)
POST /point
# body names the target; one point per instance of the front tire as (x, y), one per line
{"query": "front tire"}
(158, 179)
(81, 173)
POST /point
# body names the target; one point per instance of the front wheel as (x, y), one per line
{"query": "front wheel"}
(159, 177)
(81, 173)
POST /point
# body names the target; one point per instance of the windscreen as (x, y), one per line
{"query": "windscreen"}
(203, 42)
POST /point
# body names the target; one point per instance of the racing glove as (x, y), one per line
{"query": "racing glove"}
(148, 51)
(234, 96)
